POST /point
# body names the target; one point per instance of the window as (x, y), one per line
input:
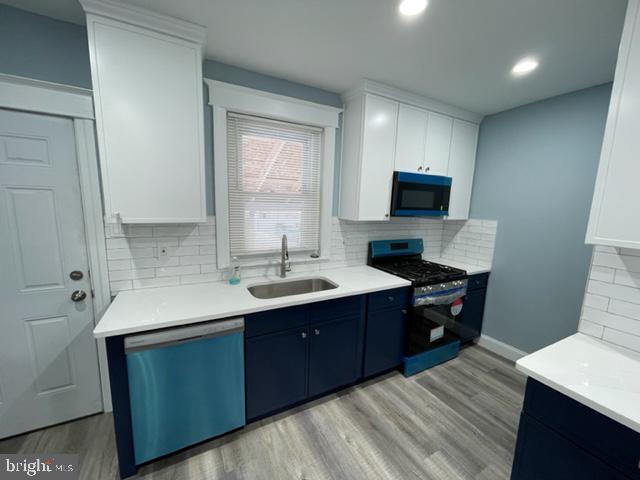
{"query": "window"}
(273, 185)
(273, 174)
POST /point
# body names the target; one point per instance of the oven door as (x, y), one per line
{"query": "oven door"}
(417, 194)
(450, 313)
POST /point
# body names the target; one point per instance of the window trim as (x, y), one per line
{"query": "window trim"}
(225, 97)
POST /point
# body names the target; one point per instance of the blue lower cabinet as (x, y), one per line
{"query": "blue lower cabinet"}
(384, 345)
(543, 454)
(473, 313)
(560, 438)
(322, 353)
(333, 355)
(276, 371)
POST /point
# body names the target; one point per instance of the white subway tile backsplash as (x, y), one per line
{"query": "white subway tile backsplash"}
(156, 262)
(622, 339)
(117, 286)
(161, 255)
(596, 301)
(613, 290)
(589, 328)
(126, 253)
(603, 274)
(627, 278)
(156, 282)
(627, 263)
(201, 278)
(180, 270)
(611, 308)
(631, 310)
(132, 274)
(197, 259)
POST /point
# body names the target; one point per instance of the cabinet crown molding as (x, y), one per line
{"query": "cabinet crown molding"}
(141, 17)
(402, 96)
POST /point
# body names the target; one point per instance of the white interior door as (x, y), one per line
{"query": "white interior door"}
(48, 361)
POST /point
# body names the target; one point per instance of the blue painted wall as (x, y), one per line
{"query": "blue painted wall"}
(40, 47)
(43, 48)
(535, 172)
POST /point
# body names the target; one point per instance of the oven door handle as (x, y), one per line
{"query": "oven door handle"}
(437, 299)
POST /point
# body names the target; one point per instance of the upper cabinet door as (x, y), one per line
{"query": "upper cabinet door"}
(378, 149)
(149, 113)
(614, 211)
(438, 144)
(411, 139)
(462, 160)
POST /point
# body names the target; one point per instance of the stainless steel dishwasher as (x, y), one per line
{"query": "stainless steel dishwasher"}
(185, 385)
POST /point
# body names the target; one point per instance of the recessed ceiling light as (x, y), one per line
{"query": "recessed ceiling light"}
(524, 66)
(411, 8)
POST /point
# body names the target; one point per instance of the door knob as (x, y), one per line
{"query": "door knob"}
(303, 335)
(78, 295)
(316, 331)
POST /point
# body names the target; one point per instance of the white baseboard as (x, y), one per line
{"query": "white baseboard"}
(500, 348)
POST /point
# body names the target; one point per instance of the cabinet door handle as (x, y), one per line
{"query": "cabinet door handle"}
(316, 331)
(427, 169)
(404, 312)
(391, 298)
(303, 334)
(420, 168)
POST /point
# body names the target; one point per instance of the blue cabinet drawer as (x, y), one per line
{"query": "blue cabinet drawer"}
(332, 309)
(601, 436)
(478, 282)
(275, 320)
(396, 298)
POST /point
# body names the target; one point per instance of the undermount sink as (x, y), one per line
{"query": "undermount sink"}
(292, 287)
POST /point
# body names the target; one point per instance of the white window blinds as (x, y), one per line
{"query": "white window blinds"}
(274, 185)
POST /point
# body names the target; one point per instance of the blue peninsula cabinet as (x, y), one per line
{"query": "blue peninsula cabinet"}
(560, 438)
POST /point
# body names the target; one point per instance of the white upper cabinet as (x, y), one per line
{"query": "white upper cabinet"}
(147, 81)
(423, 141)
(386, 129)
(614, 216)
(438, 144)
(462, 161)
(368, 157)
(411, 139)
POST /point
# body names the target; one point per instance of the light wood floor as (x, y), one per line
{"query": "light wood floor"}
(455, 421)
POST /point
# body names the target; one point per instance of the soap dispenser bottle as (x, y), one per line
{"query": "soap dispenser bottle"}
(234, 276)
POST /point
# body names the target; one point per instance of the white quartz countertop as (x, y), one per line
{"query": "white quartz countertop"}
(596, 374)
(469, 268)
(153, 308)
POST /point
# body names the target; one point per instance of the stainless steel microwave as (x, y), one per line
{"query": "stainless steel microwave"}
(416, 194)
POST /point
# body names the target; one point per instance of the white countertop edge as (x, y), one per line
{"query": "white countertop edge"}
(577, 396)
(469, 268)
(391, 282)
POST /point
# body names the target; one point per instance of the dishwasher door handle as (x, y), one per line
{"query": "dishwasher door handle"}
(172, 336)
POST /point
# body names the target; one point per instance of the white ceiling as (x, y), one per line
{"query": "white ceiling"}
(458, 51)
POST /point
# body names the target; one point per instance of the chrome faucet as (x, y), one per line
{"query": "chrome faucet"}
(285, 265)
